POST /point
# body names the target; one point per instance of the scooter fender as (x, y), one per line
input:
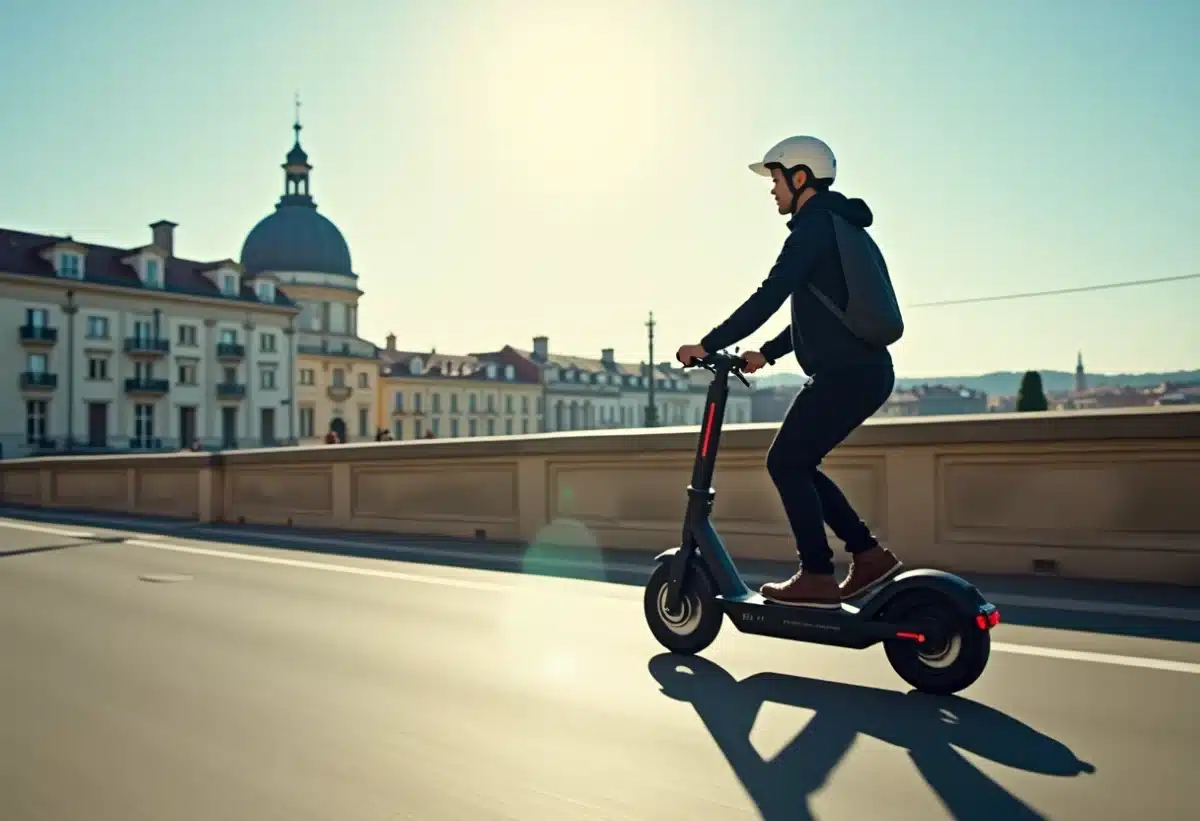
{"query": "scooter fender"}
(955, 588)
(695, 563)
(666, 555)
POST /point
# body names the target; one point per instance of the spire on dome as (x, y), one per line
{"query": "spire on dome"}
(296, 169)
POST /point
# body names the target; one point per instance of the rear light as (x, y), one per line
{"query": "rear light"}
(988, 620)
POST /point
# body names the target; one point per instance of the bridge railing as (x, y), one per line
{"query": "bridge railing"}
(1088, 494)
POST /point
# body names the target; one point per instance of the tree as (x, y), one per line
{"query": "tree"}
(1031, 396)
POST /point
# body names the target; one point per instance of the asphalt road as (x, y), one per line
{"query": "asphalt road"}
(167, 679)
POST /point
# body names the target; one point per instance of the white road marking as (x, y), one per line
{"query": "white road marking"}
(53, 531)
(329, 567)
(1100, 658)
(1017, 649)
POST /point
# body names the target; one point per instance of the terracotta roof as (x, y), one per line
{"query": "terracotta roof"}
(20, 253)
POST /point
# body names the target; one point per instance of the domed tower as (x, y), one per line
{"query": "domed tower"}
(307, 255)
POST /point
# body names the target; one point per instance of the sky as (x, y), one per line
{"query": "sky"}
(515, 168)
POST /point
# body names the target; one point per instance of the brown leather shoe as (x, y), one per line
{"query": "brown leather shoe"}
(801, 590)
(868, 570)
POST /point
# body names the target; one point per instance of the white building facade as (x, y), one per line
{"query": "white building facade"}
(135, 349)
(584, 393)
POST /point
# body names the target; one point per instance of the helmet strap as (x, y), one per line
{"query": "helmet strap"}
(788, 173)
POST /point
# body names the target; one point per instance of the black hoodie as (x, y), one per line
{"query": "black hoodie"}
(810, 254)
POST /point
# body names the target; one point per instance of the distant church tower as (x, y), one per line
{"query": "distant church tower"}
(1080, 375)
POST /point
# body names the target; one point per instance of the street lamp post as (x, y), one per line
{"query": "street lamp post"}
(651, 408)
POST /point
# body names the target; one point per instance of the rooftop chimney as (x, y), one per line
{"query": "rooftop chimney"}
(606, 356)
(541, 347)
(164, 235)
(391, 342)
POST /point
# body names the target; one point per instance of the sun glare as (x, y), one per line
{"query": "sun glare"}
(588, 90)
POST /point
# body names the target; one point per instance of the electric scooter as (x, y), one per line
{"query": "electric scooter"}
(934, 626)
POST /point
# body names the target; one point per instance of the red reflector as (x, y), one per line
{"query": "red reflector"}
(917, 637)
(708, 425)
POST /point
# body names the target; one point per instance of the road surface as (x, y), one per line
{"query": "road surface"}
(170, 678)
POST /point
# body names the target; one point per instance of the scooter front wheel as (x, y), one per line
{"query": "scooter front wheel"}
(696, 622)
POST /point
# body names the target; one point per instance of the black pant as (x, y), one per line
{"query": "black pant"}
(830, 406)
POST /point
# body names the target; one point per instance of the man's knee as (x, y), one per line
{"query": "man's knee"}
(786, 460)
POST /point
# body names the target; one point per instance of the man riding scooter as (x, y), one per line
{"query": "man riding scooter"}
(835, 277)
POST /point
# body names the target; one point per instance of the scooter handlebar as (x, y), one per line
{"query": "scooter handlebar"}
(719, 362)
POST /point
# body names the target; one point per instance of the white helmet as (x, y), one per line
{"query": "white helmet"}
(794, 151)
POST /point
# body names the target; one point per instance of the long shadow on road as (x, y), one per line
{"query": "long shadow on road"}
(929, 728)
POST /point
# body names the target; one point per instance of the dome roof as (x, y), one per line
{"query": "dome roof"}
(296, 238)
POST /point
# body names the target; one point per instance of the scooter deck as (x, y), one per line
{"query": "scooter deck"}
(842, 626)
(758, 600)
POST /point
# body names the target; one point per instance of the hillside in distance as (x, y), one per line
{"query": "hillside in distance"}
(1005, 383)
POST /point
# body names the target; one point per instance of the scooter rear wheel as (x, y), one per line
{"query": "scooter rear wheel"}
(954, 653)
(695, 625)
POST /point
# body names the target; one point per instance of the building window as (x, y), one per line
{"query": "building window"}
(307, 423)
(364, 380)
(97, 327)
(35, 421)
(417, 429)
(339, 378)
(364, 422)
(310, 317)
(508, 404)
(453, 428)
(437, 402)
(187, 336)
(229, 285)
(471, 427)
(97, 368)
(143, 331)
(307, 377)
(454, 403)
(417, 402)
(491, 427)
(153, 279)
(266, 342)
(508, 427)
(267, 379)
(187, 374)
(36, 363)
(472, 405)
(435, 427)
(69, 267)
(37, 317)
(143, 426)
(398, 404)
(266, 291)
(228, 337)
(524, 426)
(491, 403)
(524, 404)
